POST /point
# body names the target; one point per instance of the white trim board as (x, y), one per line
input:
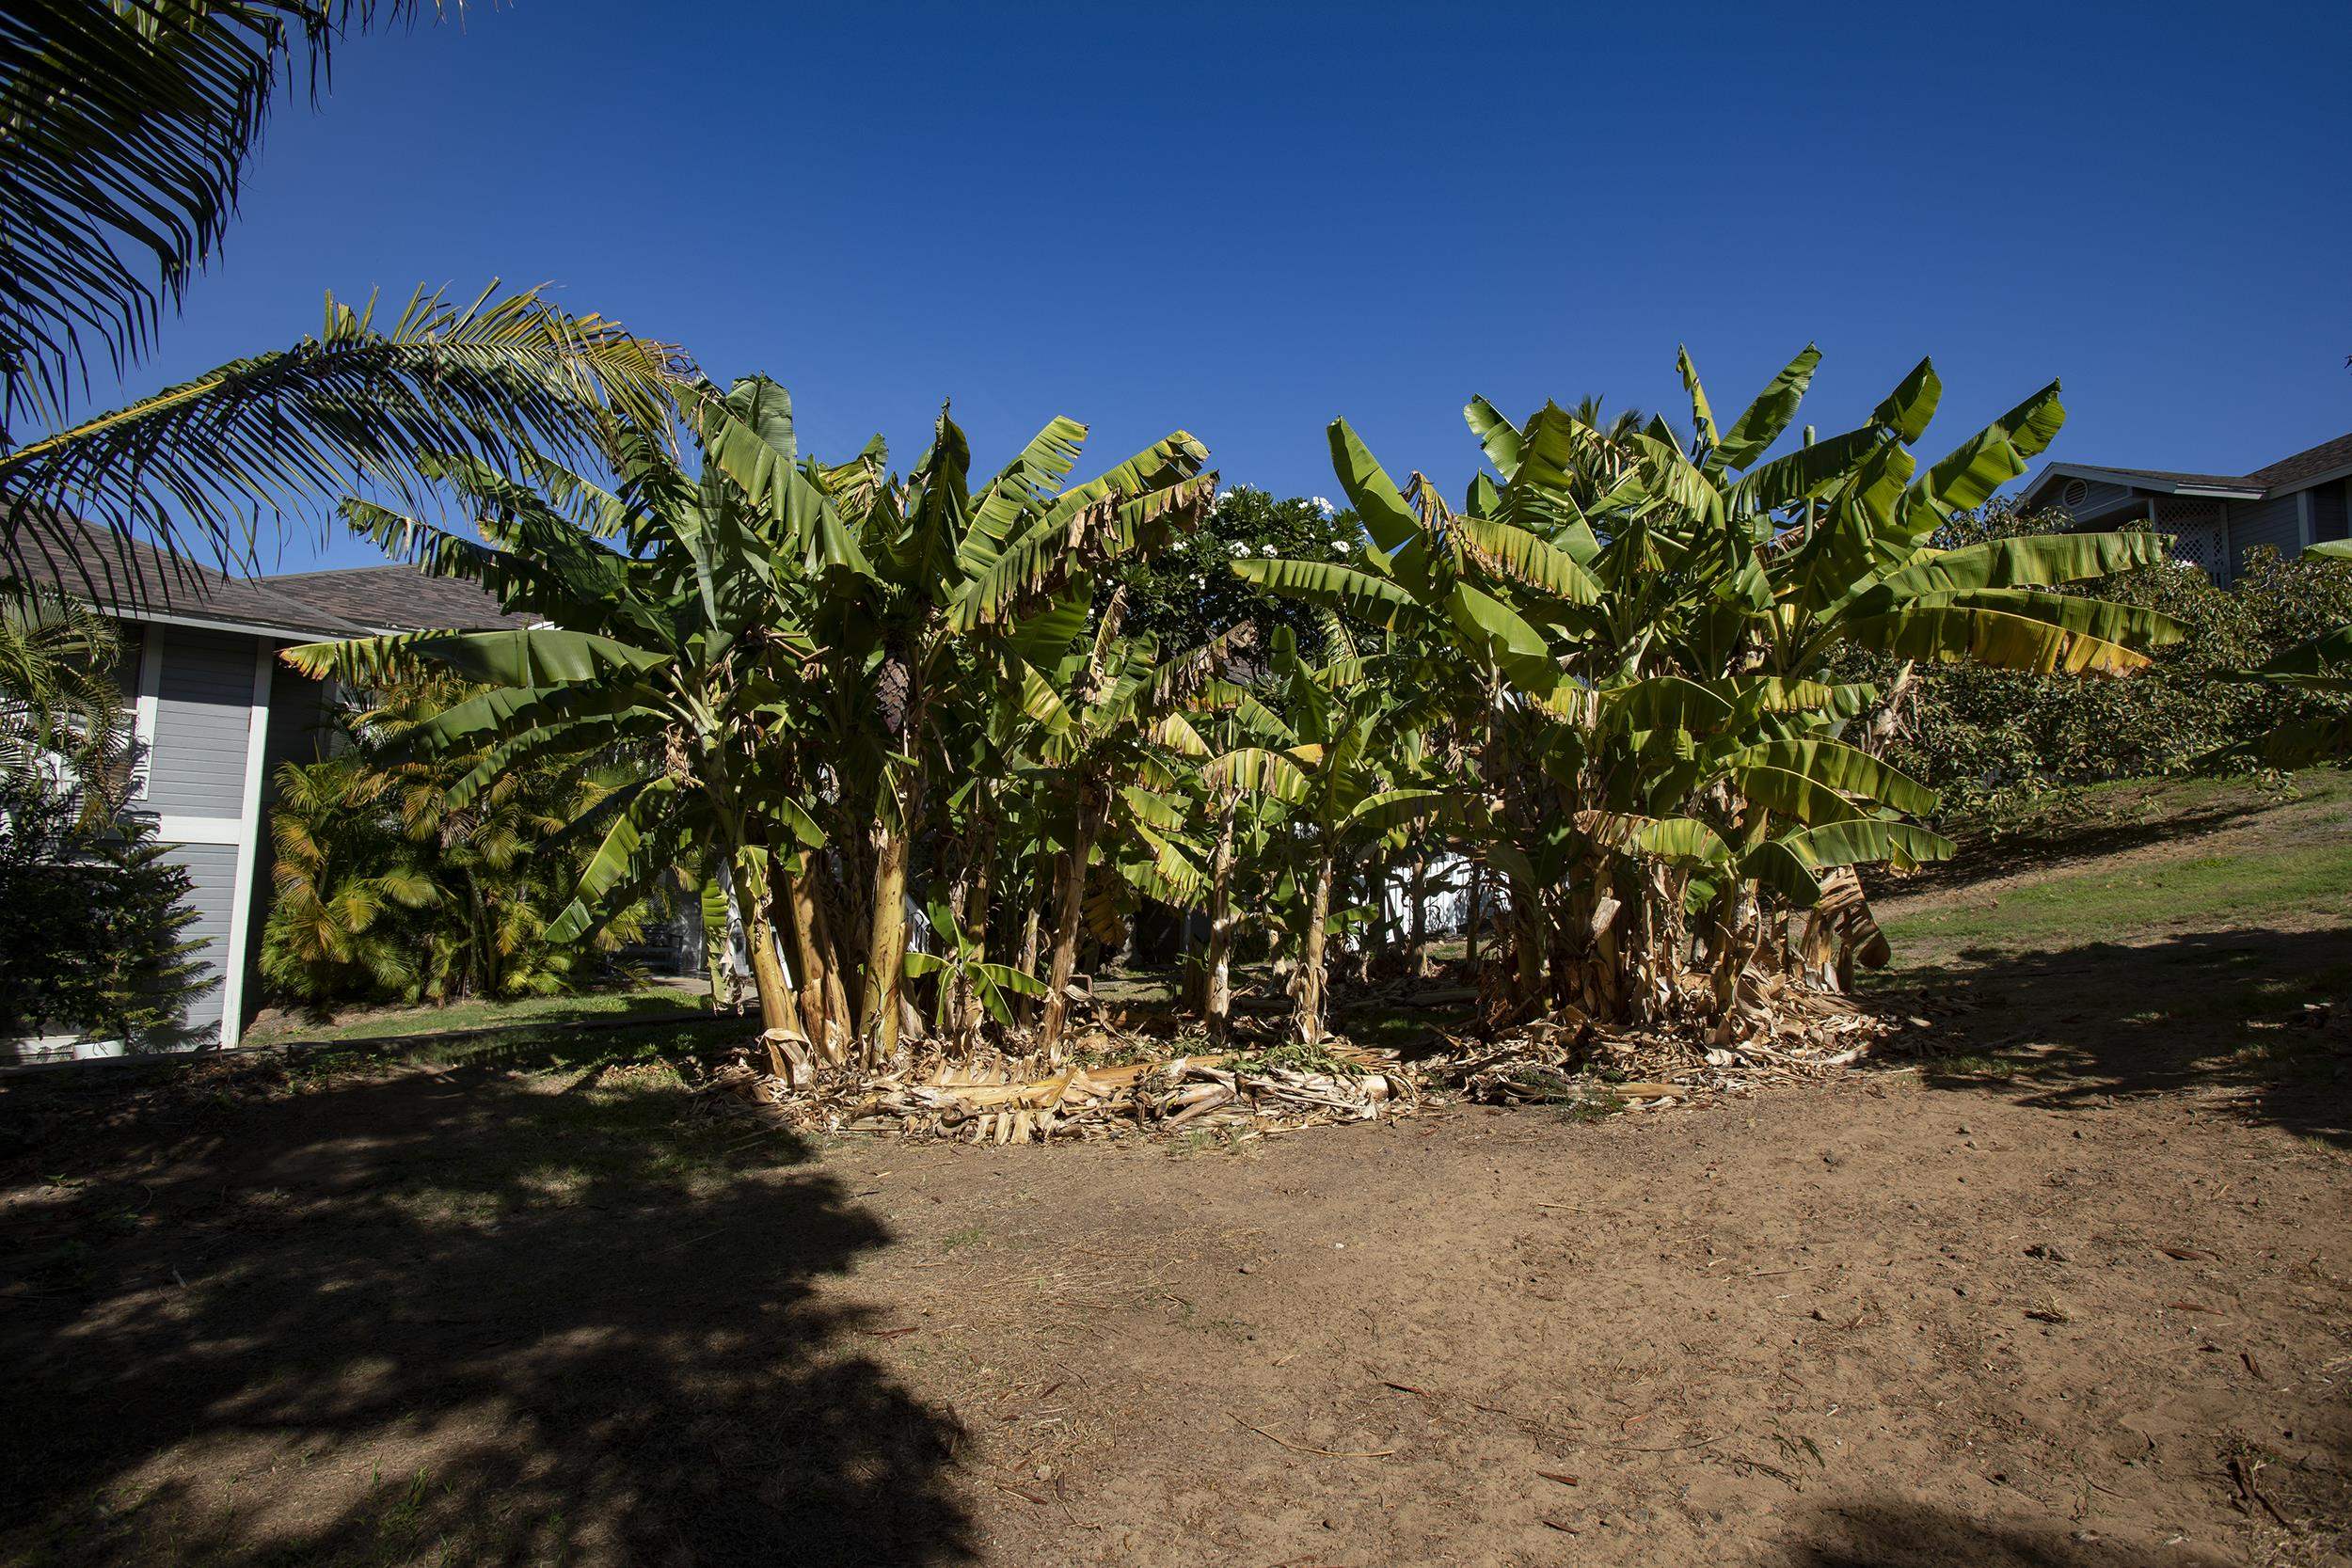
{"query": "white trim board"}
(150, 703)
(200, 830)
(144, 616)
(248, 846)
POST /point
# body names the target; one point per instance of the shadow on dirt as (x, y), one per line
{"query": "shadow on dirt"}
(445, 1316)
(1904, 1535)
(2265, 1013)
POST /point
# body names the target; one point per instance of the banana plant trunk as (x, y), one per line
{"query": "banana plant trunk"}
(1218, 1006)
(887, 946)
(1417, 923)
(971, 896)
(778, 1007)
(824, 1007)
(1470, 933)
(1032, 931)
(1069, 918)
(1311, 965)
(1730, 944)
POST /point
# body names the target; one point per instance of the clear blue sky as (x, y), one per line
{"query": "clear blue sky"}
(1245, 219)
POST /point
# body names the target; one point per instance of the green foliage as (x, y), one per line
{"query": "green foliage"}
(91, 927)
(1992, 740)
(1184, 593)
(60, 712)
(92, 923)
(392, 883)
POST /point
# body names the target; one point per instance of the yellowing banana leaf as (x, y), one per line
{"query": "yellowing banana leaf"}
(1960, 634)
(1257, 770)
(1351, 592)
(1516, 554)
(1792, 795)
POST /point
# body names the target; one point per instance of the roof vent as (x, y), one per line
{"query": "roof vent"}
(2075, 493)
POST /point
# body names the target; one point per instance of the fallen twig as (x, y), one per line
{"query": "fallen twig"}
(1303, 1447)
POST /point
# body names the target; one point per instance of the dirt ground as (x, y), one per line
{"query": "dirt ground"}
(2078, 1293)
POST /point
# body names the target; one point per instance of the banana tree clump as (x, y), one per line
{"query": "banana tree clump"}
(1664, 772)
(900, 719)
(827, 671)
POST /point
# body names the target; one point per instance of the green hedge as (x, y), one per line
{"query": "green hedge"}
(1990, 740)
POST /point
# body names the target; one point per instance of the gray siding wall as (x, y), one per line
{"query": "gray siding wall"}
(2097, 496)
(2277, 521)
(298, 722)
(2331, 512)
(212, 868)
(296, 733)
(202, 713)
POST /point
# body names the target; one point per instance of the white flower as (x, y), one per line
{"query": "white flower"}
(1322, 505)
(1340, 547)
(1267, 549)
(1239, 547)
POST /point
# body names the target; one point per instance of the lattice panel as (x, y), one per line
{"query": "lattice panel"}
(2200, 544)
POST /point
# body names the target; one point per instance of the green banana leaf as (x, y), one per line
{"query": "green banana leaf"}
(526, 655)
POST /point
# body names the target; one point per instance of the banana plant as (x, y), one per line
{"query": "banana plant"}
(1330, 745)
(1113, 733)
(658, 607)
(1651, 621)
(944, 597)
(963, 969)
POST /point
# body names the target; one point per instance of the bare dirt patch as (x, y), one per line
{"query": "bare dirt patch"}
(481, 1317)
(2076, 1293)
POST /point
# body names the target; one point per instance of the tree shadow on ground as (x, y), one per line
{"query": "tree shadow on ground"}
(1907, 1535)
(446, 1316)
(2264, 1013)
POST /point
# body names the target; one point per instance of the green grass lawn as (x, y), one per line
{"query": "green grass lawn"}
(2186, 855)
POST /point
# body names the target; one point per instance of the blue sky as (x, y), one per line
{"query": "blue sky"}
(1245, 219)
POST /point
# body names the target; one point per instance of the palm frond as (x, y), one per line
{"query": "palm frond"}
(354, 408)
(124, 129)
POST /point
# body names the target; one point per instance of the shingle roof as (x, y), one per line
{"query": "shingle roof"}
(2288, 474)
(131, 577)
(398, 599)
(2325, 458)
(2216, 482)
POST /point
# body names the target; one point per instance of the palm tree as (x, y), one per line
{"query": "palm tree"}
(60, 704)
(124, 129)
(341, 879)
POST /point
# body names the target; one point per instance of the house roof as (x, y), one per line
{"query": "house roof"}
(132, 578)
(398, 599)
(2320, 462)
(2328, 460)
(137, 581)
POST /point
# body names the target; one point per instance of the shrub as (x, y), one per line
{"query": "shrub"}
(94, 924)
(1990, 740)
